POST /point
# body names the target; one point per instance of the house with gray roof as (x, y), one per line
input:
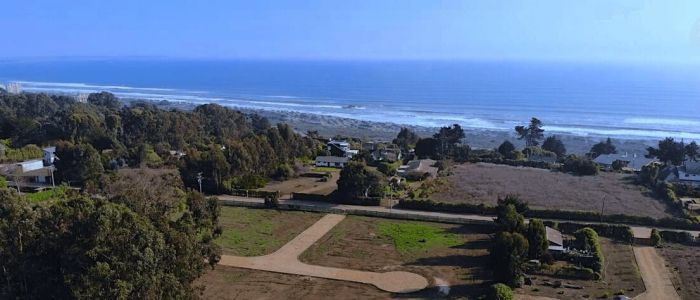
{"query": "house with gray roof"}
(632, 162)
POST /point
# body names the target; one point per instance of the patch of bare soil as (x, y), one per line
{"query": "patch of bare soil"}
(621, 274)
(310, 185)
(544, 189)
(355, 243)
(234, 283)
(684, 264)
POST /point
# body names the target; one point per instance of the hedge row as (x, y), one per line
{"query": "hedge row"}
(677, 237)
(369, 201)
(311, 197)
(574, 272)
(584, 216)
(463, 208)
(619, 232)
(254, 193)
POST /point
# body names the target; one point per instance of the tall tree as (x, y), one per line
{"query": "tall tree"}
(537, 239)
(448, 138)
(553, 144)
(601, 148)
(406, 139)
(508, 253)
(692, 151)
(532, 134)
(669, 152)
(510, 220)
(427, 147)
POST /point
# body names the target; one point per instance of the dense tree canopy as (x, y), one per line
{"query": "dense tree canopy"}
(553, 144)
(506, 149)
(358, 181)
(669, 152)
(601, 148)
(103, 134)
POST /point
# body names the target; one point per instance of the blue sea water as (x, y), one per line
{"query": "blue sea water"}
(616, 100)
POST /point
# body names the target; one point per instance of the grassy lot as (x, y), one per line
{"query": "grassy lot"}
(455, 254)
(325, 169)
(414, 239)
(254, 232)
(684, 263)
(544, 189)
(310, 185)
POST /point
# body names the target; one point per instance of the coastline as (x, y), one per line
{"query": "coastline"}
(330, 126)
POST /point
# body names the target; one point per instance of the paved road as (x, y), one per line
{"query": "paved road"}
(657, 278)
(285, 260)
(638, 231)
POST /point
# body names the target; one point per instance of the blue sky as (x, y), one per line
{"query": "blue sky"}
(595, 30)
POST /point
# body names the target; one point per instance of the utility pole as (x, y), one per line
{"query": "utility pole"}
(602, 209)
(199, 180)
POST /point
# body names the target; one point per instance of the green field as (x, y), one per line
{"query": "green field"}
(254, 232)
(413, 239)
(56, 193)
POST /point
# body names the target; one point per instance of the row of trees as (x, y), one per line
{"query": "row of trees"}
(515, 243)
(223, 144)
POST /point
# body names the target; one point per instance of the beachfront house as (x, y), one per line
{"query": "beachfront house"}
(331, 161)
(633, 162)
(688, 173)
(419, 169)
(555, 239)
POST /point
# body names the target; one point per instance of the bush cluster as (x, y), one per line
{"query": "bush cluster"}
(619, 232)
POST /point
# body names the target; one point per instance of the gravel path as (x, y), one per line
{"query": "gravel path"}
(285, 260)
(657, 278)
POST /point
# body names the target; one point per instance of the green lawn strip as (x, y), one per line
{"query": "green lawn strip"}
(42, 196)
(255, 232)
(414, 239)
(325, 169)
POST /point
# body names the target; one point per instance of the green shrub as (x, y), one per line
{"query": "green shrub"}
(587, 240)
(655, 237)
(573, 272)
(3, 182)
(579, 166)
(500, 291)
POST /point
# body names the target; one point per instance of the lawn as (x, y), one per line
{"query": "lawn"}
(254, 232)
(455, 254)
(544, 189)
(414, 239)
(56, 193)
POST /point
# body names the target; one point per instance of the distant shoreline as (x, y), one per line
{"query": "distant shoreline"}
(330, 126)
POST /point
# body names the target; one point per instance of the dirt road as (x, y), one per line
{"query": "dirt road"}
(285, 260)
(656, 276)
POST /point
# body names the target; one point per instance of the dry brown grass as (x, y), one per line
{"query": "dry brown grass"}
(544, 189)
(684, 264)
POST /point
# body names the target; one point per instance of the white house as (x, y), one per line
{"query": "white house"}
(331, 161)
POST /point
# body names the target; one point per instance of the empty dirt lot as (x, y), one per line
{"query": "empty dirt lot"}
(358, 243)
(684, 264)
(544, 189)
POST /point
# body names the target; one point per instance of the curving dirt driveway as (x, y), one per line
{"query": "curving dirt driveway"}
(657, 278)
(285, 260)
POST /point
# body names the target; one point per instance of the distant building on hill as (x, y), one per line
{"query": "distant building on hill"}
(419, 169)
(633, 162)
(82, 97)
(341, 149)
(688, 173)
(14, 88)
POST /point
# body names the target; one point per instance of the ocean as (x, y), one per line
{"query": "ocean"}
(624, 101)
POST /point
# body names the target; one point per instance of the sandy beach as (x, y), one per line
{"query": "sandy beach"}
(330, 126)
